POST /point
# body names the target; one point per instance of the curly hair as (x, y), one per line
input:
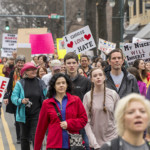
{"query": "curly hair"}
(52, 91)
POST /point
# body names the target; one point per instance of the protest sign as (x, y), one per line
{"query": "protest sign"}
(3, 86)
(135, 51)
(42, 43)
(106, 46)
(137, 40)
(24, 49)
(9, 44)
(79, 41)
(24, 34)
(61, 51)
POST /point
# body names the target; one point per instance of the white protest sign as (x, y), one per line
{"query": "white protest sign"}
(79, 41)
(3, 86)
(9, 44)
(106, 46)
(135, 51)
(137, 40)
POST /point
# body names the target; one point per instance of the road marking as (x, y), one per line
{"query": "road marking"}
(7, 132)
(1, 142)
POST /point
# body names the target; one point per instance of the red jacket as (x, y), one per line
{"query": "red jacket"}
(76, 119)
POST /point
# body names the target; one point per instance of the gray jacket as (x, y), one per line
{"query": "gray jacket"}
(128, 85)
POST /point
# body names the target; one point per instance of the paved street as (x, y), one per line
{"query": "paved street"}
(7, 132)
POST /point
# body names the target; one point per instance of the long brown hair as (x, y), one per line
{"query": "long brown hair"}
(92, 91)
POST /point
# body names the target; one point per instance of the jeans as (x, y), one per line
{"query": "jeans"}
(85, 138)
(28, 129)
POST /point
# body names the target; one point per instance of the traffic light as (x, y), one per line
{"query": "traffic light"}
(7, 25)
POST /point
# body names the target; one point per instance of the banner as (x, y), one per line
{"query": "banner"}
(3, 86)
(9, 44)
(106, 46)
(61, 51)
(42, 43)
(135, 51)
(79, 41)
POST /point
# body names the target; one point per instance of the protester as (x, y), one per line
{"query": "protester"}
(14, 55)
(81, 84)
(81, 71)
(117, 78)
(13, 78)
(100, 102)
(84, 61)
(28, 102)
(140, 65)
(63, 68)
(132, 117)
(42, 60)
(41, 72)
(72, 112)
(4, 60)
(141, 84)
(35, 61)
(8, 67)
(55, 67)
(147, 66)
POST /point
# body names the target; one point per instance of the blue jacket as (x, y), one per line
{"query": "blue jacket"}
(18, 95)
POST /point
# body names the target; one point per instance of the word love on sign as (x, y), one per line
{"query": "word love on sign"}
(79, 41)
(3, 86)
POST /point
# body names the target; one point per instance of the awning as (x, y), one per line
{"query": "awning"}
(131, 31)
(144, 33)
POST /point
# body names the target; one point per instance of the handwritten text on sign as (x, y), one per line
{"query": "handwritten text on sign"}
(135, 51)
(79, 41)
(106, 46)
(3, 86)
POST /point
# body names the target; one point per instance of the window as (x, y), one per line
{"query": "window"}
(134, 8)
(140, 6)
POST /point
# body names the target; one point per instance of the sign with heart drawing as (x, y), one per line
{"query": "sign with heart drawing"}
(79, 41)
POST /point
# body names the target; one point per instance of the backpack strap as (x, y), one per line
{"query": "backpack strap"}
(115, 144)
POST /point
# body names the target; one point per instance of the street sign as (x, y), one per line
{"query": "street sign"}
(54, 16)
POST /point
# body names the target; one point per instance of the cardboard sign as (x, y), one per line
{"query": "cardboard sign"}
(61, 51)
(42, 43)
(106, 46)
(24, 34)
(9, 44)
(3, 86)
(135, 51)
(79, 41)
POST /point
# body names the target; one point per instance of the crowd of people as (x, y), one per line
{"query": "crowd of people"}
(105, 101)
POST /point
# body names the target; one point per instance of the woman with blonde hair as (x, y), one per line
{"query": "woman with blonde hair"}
(100, 104)
(132, 118)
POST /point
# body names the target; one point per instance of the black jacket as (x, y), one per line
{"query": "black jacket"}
(115, 144)
(128, 85)
(81, 85)
(10, 107)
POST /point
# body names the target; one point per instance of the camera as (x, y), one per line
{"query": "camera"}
(29, 104)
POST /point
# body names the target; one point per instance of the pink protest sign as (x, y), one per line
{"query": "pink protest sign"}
(42, 43)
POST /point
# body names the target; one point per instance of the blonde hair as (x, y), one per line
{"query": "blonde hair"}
(122, 106)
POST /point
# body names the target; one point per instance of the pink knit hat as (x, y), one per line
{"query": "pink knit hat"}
(26, 66)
